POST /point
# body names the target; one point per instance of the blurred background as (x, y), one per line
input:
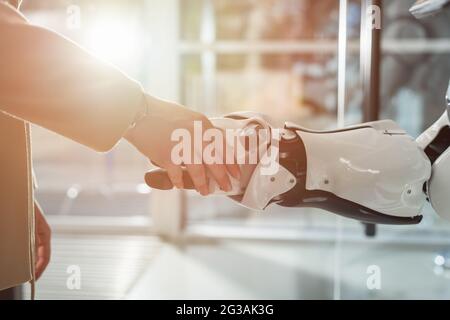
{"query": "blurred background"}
(279, 57)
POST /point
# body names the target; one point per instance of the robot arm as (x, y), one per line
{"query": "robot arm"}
(373, 172)
(435, 141)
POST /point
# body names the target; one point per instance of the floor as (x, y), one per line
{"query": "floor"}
(144, 267)
(109, 266)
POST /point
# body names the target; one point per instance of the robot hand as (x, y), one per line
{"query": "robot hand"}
(373, 172)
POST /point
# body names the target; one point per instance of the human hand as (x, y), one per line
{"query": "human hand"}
(43, 241)
(152, 137)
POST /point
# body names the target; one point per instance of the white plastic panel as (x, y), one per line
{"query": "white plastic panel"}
(380, 168)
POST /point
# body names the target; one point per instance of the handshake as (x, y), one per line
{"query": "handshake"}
(156, 134)
(339, 171)
(257, 162)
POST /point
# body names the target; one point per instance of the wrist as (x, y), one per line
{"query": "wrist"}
(141, 114)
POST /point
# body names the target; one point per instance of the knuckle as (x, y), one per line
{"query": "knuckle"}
(202, 118)
(198, 180)
(197, 176)
(175, 178)
(172, 172)
(222, 177)
(166, 165)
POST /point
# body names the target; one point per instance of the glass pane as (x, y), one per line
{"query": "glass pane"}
(300, 88)
(276, 20)
(190, 19)
(268, 19)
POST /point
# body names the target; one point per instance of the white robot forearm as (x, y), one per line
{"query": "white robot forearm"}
(373, 172)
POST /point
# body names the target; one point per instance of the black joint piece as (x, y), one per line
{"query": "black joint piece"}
(370, 230)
